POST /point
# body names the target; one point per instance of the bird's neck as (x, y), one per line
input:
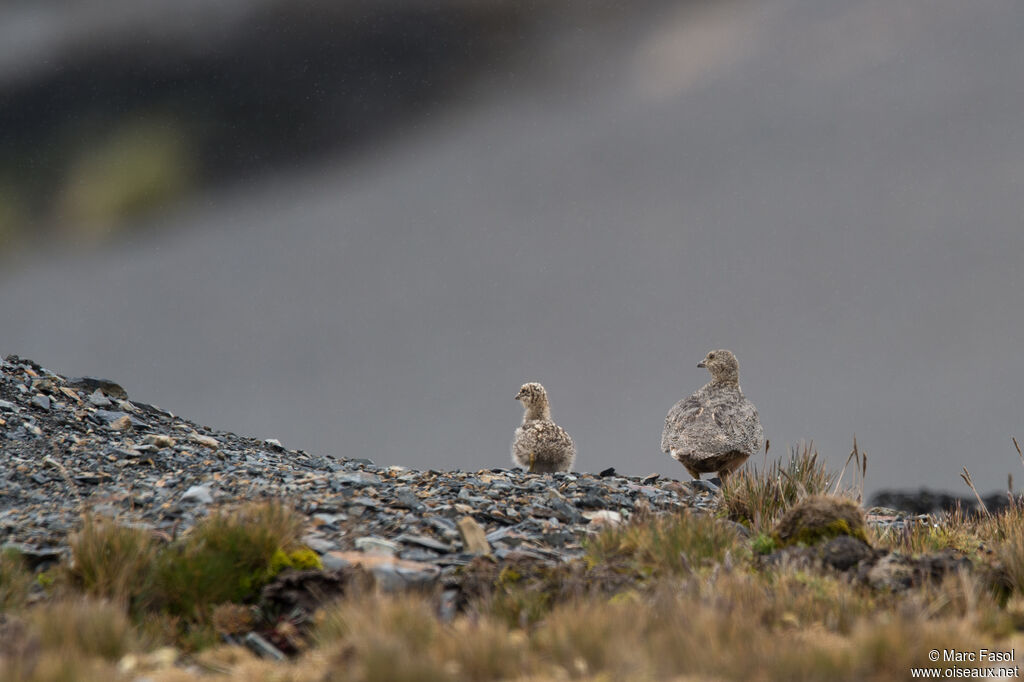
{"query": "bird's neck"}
(725, 380)
(537, 411)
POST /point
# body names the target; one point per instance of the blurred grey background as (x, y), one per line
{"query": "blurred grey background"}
(359, 227)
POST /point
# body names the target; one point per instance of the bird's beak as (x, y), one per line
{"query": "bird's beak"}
(701, 364)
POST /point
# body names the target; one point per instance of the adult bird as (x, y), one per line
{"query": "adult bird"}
(716, 428)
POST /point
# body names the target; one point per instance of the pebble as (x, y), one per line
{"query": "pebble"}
(474, 540)
(198, 493)
(98, 399)
(372, 545)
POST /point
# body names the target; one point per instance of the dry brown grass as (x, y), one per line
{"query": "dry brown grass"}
(666, 545)
(957, 531)
(1004, 534)
(15, 581)
(732, 625)
(757, 498)
(111, 560)
(702, 609)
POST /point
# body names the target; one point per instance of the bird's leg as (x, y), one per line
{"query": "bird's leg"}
(533, 461)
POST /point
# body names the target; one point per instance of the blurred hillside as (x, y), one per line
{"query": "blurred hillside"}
(114, 109)
(394, 214)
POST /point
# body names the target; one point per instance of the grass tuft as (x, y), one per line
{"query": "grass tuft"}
(665, 545)
(758, 498)
(15, 581)
(87, 628)
(228, 557)
(111, 560)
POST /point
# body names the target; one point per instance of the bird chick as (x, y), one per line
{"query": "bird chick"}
(540, 445)
(716, 429)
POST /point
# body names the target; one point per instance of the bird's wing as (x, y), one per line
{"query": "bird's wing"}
(554, 436)
(541, 435)
(738, 425)
(682, 415)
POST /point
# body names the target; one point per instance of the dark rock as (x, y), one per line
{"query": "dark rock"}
(844, 552)
(408, 499)
(92, 384)
(424, 541)
(706, 486)
(111, 416)
(937, 566)
(305, 591)
(41, 401)
(36, 557)
(893, 572)
(605, 473)
(98, 399)
(739, 528)
(925, 501)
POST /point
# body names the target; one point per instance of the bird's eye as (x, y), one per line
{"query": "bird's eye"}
(711, 356)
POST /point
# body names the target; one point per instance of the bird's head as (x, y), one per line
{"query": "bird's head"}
(722, 364)
(532, 393)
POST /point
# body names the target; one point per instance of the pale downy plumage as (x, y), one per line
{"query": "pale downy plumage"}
(716, 428)
(540, 445)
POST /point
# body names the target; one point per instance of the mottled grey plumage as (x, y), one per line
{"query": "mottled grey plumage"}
(540, 445)
(716, 428)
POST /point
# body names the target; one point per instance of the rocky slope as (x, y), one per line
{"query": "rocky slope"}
(72, 445)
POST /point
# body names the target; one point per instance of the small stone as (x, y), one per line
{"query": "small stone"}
(359, 479)
(424, 541)
(319, 545)
(328, 520)
(603, 518)
(206, 441)
(120, 424)
(474, 540)
(274, 443)
(160, 659)
(378, 546)
(41, 401)
(261, 647)
(108, 416)
(407, 498)
(198, 493)
(159, 440)
(8, 406)
(390, 574)
(98, 399)
(605, 473)
(702, 485)
(418, 554)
